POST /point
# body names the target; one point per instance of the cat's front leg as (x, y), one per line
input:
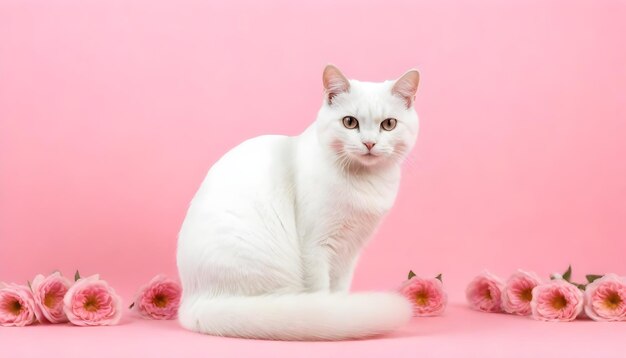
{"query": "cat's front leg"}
(316, 269)
(341, 274)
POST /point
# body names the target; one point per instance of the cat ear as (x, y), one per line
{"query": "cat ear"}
(334, 82)
(406, 86)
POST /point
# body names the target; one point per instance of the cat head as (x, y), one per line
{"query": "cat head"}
(368, 124)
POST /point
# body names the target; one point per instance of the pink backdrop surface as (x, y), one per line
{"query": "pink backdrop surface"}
(111, 113)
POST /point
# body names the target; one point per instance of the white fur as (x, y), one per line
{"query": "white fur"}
(270, 241)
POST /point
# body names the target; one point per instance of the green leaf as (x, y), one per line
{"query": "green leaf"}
(439, 277)
(580, 286)
(131, 306)
(591, 278)
(76, 276)
(411, 274)
(567, 275)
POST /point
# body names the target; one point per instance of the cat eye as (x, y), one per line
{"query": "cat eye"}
(350, 122)
(389, 124)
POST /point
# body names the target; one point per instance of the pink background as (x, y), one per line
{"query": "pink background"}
(111, 112)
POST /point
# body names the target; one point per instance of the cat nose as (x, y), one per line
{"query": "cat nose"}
(369, 145)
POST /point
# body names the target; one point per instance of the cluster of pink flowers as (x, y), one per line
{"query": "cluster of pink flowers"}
(602, 298)
(87, 301)
(425, 294)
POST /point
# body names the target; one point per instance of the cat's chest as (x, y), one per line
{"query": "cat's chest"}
(343, 209)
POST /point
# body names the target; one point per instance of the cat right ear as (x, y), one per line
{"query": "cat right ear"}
(406, 86)
(334, 83)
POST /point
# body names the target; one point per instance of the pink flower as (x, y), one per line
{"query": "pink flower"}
(426, 295)
(518, 292)
(484, 293)
(48, 293)
(92, 302)
(557, 300)
(159, 299)
(17, 307)
(605, 299)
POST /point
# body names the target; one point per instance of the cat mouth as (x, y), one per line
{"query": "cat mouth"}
(370, 155)
(369, 158)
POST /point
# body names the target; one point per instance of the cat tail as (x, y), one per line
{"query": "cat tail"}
(296, 317)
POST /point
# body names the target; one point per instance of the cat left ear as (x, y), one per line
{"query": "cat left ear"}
(406, 86)
(334, 82)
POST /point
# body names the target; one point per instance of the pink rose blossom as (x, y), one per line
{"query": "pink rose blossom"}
(605, 299)
(484, 293)
(159, 299)
(426, 295)
(557, 300)
(517, 292)
(92, 302)
(17, 307)
(48, 293)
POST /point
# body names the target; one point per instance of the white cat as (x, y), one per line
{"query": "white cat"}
(270, 241)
